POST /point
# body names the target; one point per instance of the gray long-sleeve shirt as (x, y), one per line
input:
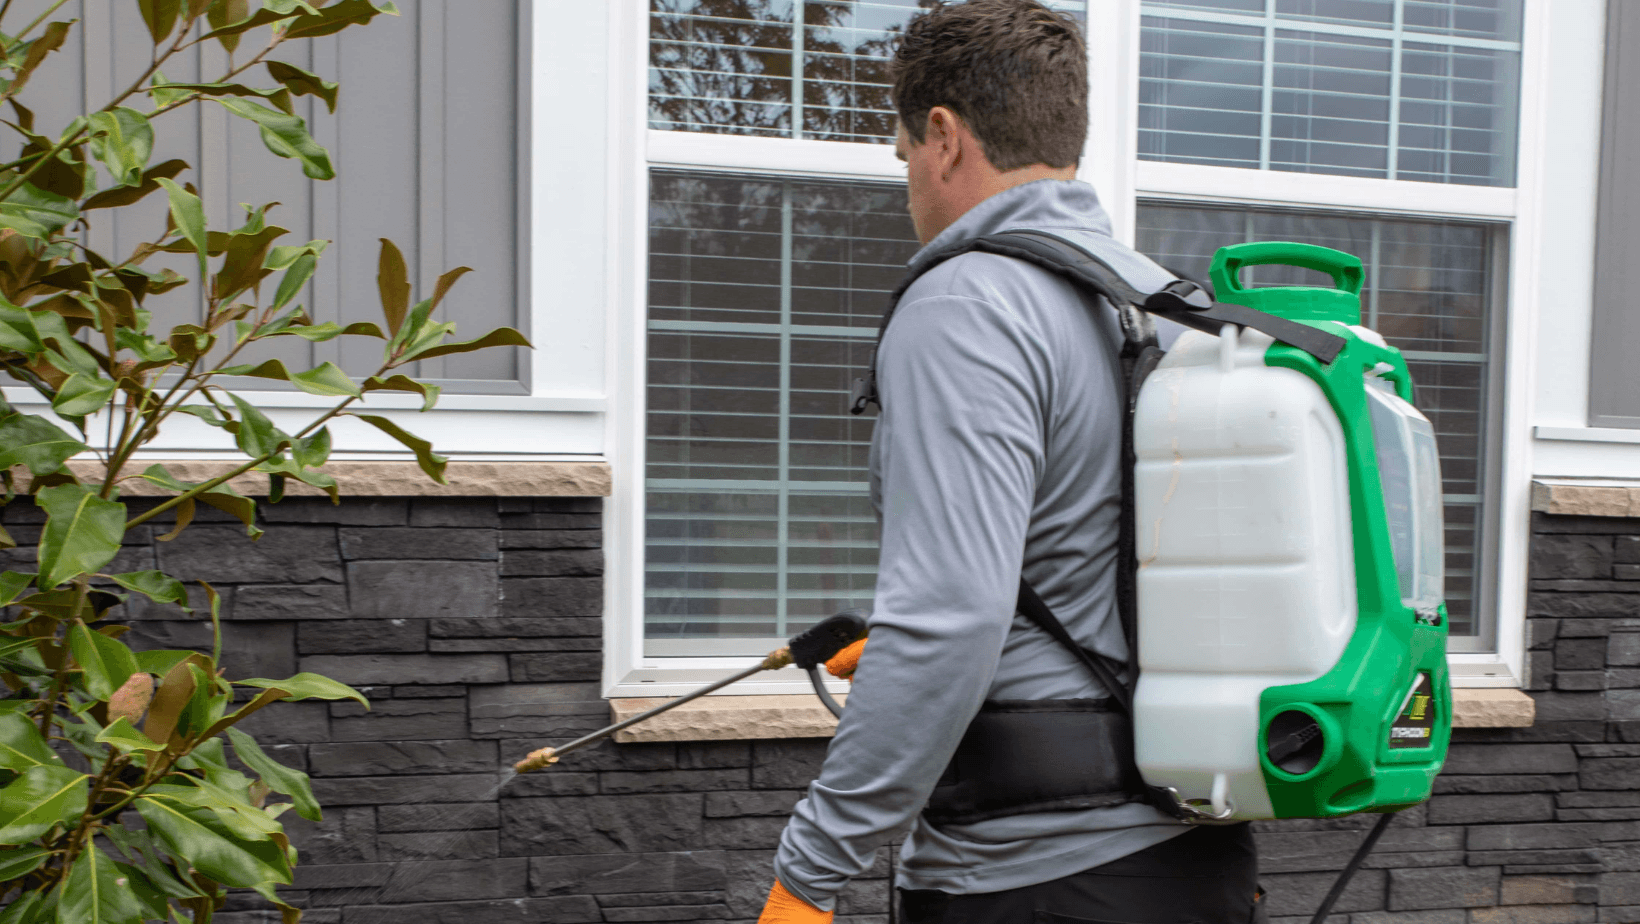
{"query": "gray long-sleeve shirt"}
(998, 446)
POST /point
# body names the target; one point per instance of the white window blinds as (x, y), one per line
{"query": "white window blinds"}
(1423, 90)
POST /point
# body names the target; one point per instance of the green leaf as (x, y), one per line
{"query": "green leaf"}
(432, 463)
(155, 585)
(308, 686)
(325, 379)
(82, 533)
(294, 279)
(43, 796)
(224, 13)
(279, 97)
(82, 395)
(280, 778)
(34, 212)
(160, 16)
(31, 440)
(30, 908)
(312, 451)
(393, 282)
(281, 469)
(123, 140)
(125, 195)
(429, 393)
(51, 39)
(12, 585)
(284, 256)
(189, 216)
(123, 735)
(15, 864)
(221, 497)
(501, 336)
(242, 262)
(336, 17)
(302, 83)
(285, 135)
(96, 891)
(197, 834)
(237, 815)
(21, 746)
(107, 663)
(160, 661)
(257, 436)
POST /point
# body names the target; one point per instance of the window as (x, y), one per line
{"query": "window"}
(774, 227)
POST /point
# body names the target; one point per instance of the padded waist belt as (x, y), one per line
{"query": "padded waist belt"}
(1026, 756)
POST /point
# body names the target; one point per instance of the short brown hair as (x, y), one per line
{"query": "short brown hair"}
(1014, 70)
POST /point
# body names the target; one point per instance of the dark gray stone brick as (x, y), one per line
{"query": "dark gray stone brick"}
(607, 874)
(289, 723)
(1581, 681)
(344, 636)
(532, 644)
(285, 601)
(762, 802)
(1626, 572)
(1571, 556)
(455, 880)
(750, 873)
(1469, 785)
(1540, 670)
(545, 666)
(1301, 893)
(1571, 628)
(575, 909)
(423, 589)
(1580, 654)
(1620, 888)
(1459, 810)
(1582, 605)
(289, 555)
(553, 563)
(647, 823)
(616, 782)
(458, 817)
(354, 511)
(1548, 890)
(1438, 916)
(409, 668)
(400, 720)
(552, 596)
(714, 912)
(1556, 706)
(517, 627)
(551, 539)
(471, 512)
(1534, 914)
(659, 899)
(1626, 549)
(537, 709)
(1443, 887)
(428, 690)
(1543, 860)
(1622, 705)
(1623, 649)
(419, 543)
(551, 521)
(555, 782)
(790, 764)
(1304, 851)
(248, 649)
(1610, 773)
(1511, 758)
(441, 845)
(346, 835)
(406, 790)
(389, 757)
(700, 755)
(742, 832)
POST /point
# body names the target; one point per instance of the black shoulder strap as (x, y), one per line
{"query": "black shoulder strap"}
(1181, 301)
(1032, 607)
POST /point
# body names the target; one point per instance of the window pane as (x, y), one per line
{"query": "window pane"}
(740, 66)
(1423, 90)
(1428, 292)
(764, 299)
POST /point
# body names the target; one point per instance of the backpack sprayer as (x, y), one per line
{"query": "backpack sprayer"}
(807, 651)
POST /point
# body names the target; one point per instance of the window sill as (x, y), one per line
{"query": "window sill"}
(1586, 497)
(734, 718)
(387, 478)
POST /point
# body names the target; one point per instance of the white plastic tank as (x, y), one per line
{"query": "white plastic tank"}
(1246, 559)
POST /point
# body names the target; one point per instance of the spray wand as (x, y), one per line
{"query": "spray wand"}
(808, 651)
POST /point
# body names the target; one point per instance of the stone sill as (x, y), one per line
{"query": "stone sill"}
(382, 479)
(1587, 497)
(734, 718)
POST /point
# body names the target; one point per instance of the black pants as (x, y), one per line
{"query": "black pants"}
(1206, 876)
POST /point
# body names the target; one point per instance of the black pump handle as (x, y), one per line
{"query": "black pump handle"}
(831, 635)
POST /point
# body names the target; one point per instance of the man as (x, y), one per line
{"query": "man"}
(997, 450)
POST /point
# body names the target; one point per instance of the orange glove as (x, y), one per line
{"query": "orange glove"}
(785, 908)
(843, 663)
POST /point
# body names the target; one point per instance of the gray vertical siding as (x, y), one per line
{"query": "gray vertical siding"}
(428, 142)
(1614, 386)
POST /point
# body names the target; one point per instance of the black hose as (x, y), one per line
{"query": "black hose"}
(1343, 881)
(824, 694)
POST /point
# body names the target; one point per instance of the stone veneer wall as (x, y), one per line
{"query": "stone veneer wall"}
(474, 625)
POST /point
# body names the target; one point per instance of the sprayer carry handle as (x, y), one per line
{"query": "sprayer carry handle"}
(831, 635)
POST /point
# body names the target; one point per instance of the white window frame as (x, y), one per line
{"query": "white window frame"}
(1557, 149)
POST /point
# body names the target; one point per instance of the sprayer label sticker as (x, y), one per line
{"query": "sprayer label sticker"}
(1415, 726)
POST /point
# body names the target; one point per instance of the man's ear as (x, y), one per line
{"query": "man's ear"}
(945, 129)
